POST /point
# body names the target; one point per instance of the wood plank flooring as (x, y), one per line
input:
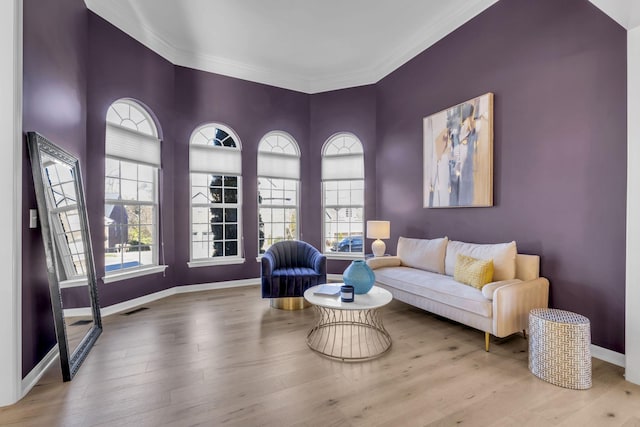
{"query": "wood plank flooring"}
(224, 357)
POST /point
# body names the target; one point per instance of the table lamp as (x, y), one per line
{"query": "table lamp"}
(378, 230)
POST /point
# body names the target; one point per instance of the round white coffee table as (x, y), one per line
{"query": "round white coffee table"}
(349, 331)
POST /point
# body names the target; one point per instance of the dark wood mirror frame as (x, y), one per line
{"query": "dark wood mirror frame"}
(41, 148)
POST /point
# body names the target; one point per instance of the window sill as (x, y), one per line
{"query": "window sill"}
(212, 262)
(115, 277)
(74, 283)
(344, 256)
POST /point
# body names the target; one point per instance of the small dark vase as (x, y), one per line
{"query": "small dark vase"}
(360, 276)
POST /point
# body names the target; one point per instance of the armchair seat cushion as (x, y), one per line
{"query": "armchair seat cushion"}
(294, 271)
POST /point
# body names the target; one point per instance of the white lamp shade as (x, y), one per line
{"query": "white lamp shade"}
(378, 229)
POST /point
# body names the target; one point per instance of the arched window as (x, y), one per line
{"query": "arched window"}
(131, 189)
(215, 163)
(278, 189)
(343, 194)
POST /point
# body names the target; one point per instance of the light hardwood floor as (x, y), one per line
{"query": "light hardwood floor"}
(224, 357)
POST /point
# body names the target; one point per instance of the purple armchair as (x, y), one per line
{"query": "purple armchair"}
(291, 267)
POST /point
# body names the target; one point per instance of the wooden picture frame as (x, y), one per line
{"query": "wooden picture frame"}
(458, 155)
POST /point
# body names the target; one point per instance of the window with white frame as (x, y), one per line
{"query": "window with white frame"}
(278, 189)
(215, 164)
(131, 188)
(343, 195)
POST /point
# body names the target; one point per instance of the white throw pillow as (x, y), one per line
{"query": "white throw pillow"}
(502, 254)
(424, 254)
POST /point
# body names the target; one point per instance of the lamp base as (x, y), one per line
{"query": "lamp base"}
(378, 247)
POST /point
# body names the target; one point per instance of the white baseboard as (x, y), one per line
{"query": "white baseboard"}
(610, 356)
(334, 277)
(217, 285)
(136, 302)
(120, 307)
(36, 373)
(77, 312)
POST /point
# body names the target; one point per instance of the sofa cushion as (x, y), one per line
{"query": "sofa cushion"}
(502, 254)
(473, 271)
(437, 287)
(424, 254)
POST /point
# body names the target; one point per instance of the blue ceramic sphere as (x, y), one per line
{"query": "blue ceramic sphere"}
(360, 276)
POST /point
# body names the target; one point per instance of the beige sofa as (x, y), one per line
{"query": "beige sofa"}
(421, 274)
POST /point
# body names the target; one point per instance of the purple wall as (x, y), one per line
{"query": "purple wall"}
(251, 110)
(558, 72)
(348, 110)
(54, 104)
(120, 67)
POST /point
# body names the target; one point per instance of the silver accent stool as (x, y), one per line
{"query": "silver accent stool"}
(560, 347)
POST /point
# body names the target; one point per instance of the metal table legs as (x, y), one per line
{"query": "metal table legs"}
(349, 335)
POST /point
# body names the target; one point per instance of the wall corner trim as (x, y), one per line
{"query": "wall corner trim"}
(11, 218)
(632, 272)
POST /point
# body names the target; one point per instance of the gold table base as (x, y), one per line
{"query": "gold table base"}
(349, 335)
(289, 303)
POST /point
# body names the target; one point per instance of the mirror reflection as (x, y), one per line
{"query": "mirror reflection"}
(65, 218)
(70, 268)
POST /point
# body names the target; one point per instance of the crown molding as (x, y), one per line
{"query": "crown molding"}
(624, 12)
(241, 70)
(429, 35)
(424, 38)
(181, 57)
(134, 28)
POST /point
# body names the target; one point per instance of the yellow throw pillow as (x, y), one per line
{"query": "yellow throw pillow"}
(473, 271)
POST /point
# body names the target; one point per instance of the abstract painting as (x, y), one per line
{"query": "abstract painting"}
(458, 155)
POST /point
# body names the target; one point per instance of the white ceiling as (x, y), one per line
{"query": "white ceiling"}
(305, 45)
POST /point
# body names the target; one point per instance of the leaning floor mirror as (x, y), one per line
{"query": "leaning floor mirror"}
(65, 233)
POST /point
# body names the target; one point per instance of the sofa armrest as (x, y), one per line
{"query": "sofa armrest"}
(513, 302)
(490, 288)
(384, 261)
